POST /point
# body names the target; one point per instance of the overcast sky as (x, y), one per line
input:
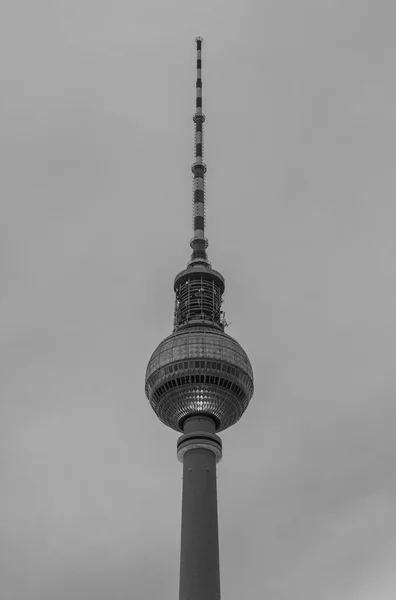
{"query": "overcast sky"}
(95, 152)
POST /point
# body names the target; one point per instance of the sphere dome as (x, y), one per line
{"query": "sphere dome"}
(199, 370)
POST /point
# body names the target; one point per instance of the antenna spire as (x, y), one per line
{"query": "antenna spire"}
(199, 243)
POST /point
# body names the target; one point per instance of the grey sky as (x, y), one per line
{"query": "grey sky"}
(96, 147)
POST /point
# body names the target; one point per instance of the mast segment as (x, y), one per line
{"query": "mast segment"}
(199, 288)
(199, 243)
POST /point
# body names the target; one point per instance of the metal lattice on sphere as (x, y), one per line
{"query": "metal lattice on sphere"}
(199, 370)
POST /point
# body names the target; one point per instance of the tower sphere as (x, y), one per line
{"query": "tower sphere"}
(199, 371)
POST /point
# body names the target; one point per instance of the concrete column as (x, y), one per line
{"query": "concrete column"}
(199, 449)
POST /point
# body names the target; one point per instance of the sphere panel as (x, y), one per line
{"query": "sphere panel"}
(181, 403)
(199, 370)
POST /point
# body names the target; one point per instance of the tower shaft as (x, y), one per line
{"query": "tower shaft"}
(199, 563)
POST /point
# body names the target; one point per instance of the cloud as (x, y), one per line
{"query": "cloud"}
(97, 145)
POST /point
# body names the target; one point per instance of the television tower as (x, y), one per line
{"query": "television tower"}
(199, 381)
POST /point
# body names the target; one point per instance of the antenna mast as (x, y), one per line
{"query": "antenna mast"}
(199, 243)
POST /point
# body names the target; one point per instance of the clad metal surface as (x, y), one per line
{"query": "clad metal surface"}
(199, 370)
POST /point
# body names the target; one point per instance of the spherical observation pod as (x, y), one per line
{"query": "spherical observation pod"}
(199, 371)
